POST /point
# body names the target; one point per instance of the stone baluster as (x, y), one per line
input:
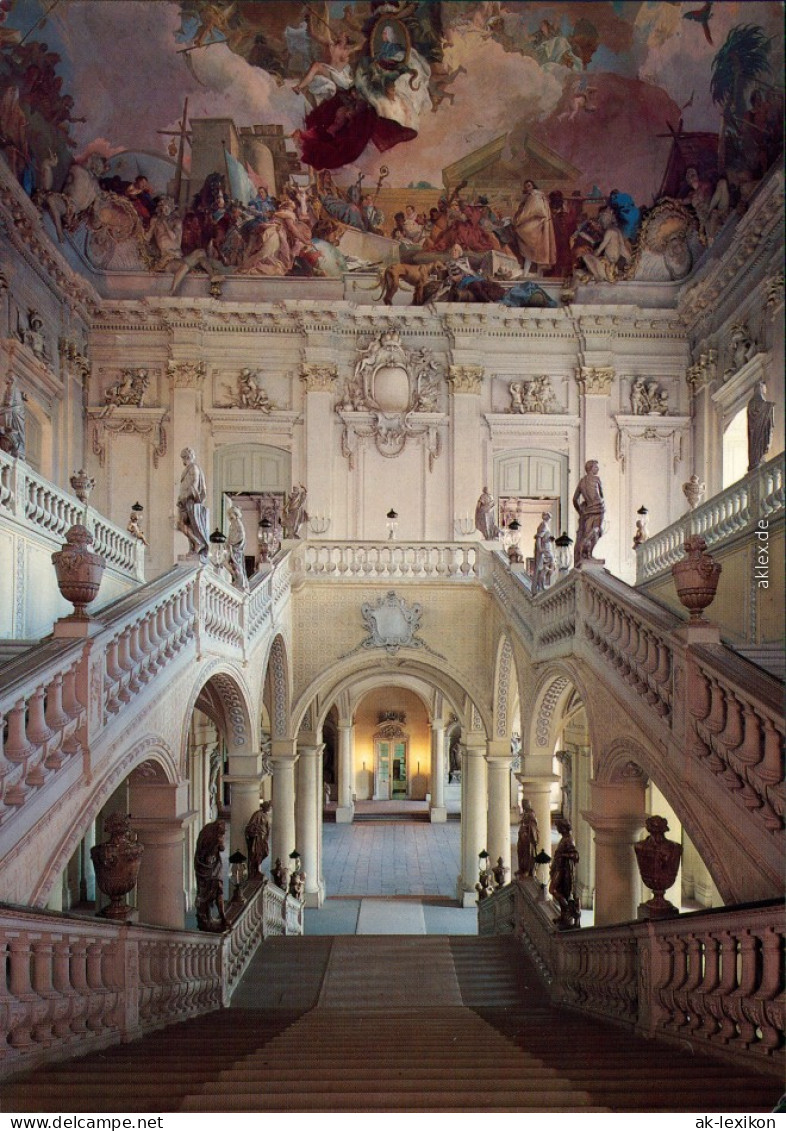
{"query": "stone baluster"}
(17, 748)
(56, 717)
(22, 992)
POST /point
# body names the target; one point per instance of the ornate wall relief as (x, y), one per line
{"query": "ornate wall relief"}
(391, 397)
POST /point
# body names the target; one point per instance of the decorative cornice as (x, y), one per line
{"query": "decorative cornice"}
(465, 379)
(594, 381)
(23, 224)
(319, 378)
(186, 374)
(731, 272)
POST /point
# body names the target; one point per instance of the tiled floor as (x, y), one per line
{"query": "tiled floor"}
(391, 858)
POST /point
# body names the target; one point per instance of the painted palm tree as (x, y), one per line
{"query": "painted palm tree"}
(739, 63)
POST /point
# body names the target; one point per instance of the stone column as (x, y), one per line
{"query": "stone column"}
(308, 820)
(283, 833)
(537, 778)
(473, 815)
(437, 811)
(160, 819)
(498, 759)
(345, 808)
(617, 819)
(244, 777)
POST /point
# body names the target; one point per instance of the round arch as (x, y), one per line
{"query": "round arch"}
(546, 704)
(221, 692)
(277, 690)
(613, 765)
(150, 748)
(340, 677)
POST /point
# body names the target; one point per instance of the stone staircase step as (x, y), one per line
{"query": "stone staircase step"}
(392, 1024)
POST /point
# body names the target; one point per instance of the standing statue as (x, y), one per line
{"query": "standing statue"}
(193, 516)
(591, 506)
(294, 514)
(544, 556)
(562, 882)
(209, 871)
(527, 844)
(236, 547)
(761, 423)
(484, 516)
(258, 838)
(12, 420)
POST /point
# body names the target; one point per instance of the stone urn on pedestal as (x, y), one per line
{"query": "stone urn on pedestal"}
(79, 571)
(693, 491)
(659, 861)
(696, 578)
(116, 862)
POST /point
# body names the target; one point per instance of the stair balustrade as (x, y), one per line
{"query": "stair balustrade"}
(736, 729)
(712, 978)
(56, 699)
(32, 499)
(385, 561)
(760, 494)
(73, 984)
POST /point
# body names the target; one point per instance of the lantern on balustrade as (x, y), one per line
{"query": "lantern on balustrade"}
(78, 570)
(642, 531)
(564, 556)
(297, 878)
(696, 578)
(265, 537)
(542, 861)
(218, 553)
(238, 874)
(392, 523)
(511, 541)
(116, 862)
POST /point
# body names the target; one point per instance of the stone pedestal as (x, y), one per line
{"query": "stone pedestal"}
(617, 818)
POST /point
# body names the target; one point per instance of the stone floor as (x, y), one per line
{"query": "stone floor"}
(391, 858)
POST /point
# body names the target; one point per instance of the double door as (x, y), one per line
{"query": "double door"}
(390, 778)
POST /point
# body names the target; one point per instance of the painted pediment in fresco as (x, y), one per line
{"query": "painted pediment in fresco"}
(465, 151)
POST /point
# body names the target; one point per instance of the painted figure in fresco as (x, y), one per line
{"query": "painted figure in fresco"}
(761, 424)
(485, 520)
(605, 262)
(208, 868)
(192, 513)
(79, 193)
(534, 229)
(591, 507)
(258, 838)
(164, 238)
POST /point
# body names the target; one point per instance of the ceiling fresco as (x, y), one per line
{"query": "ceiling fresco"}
(468, 150)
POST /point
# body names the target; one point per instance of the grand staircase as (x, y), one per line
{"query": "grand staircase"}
(392, 1023)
